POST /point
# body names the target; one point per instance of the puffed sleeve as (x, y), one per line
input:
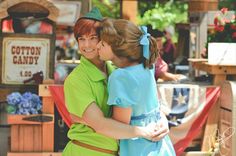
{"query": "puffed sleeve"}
(123, 89)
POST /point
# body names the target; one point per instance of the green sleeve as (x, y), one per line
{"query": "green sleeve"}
(78, 94)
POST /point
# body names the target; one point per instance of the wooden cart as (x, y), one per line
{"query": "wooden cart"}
(27, 43)
(222, 115)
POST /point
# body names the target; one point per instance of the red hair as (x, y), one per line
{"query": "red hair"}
(85, 27)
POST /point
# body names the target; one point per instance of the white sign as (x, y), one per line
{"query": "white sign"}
(222, 53)
(23, 57)
(69, 12)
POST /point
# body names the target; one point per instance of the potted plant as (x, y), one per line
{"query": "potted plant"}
(221, 39)
(27, 122)
(23, 104)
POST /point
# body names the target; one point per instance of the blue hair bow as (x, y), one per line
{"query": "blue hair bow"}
(144, 41)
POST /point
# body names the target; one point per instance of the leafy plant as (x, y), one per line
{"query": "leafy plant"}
(163, 14)
(230, 4)
(108, 8)
(26, 103)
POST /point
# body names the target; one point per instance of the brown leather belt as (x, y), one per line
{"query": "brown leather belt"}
(91, 147)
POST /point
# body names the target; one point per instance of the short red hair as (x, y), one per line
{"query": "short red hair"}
(85, 27)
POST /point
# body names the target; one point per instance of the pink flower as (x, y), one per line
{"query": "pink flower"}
(234, 35)
(224, 28)
(233, 27)
(226, 20)
(224, 10)
(216, 20)
(233, 17)
(219, 28)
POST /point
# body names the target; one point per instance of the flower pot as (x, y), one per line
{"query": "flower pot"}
(31, 133)
(222, 53)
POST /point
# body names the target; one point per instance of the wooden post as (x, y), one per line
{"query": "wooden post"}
(129, 10)
(47, 130)
(202, 5)
(35, 154)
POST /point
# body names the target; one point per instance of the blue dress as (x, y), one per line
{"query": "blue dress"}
(135, 87)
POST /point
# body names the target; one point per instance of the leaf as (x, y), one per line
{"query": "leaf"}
(10, 109)
(162, 15)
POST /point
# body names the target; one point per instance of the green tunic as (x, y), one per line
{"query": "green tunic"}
(84, 85)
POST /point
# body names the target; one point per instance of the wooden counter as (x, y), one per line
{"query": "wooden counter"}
(214, 121)
(219, 72)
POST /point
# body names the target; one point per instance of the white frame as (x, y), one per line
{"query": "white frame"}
(69, 12)
(16, 73)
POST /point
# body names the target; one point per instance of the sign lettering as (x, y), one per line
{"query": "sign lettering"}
(23, 57)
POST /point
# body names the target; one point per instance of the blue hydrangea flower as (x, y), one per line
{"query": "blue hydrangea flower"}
(26, 103)
(36, 102)
(27, 95)
(14, 98)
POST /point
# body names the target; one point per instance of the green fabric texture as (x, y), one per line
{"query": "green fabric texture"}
(94, 14)
(75, 150)
(84, 85)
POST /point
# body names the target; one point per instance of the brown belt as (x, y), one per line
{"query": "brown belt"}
(94, 148)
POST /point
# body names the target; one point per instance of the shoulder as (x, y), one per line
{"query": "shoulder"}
(76, 77)
(120, 73)
(123, 77)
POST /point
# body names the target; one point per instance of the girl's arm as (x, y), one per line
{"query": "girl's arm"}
(124, 115)
(94, 117)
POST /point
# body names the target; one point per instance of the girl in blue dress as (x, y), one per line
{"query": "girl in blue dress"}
(132, 87)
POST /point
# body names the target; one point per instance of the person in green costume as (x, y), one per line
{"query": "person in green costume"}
(93, 132)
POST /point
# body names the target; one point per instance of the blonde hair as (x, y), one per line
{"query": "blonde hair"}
(123, 36)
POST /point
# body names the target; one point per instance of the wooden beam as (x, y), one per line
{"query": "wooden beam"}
(21, 119)
(35, 154)
(129, 10)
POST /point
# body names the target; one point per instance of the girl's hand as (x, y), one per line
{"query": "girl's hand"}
(161, 131)
(156, 131)
(150, 131)
(162, 128)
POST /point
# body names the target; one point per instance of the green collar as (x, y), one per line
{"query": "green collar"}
(93, 72)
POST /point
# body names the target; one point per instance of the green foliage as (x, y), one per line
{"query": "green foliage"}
(162, 14)
(108, 8)
(10, 109)
(159, 14)
(230, 4)
(143, 6)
